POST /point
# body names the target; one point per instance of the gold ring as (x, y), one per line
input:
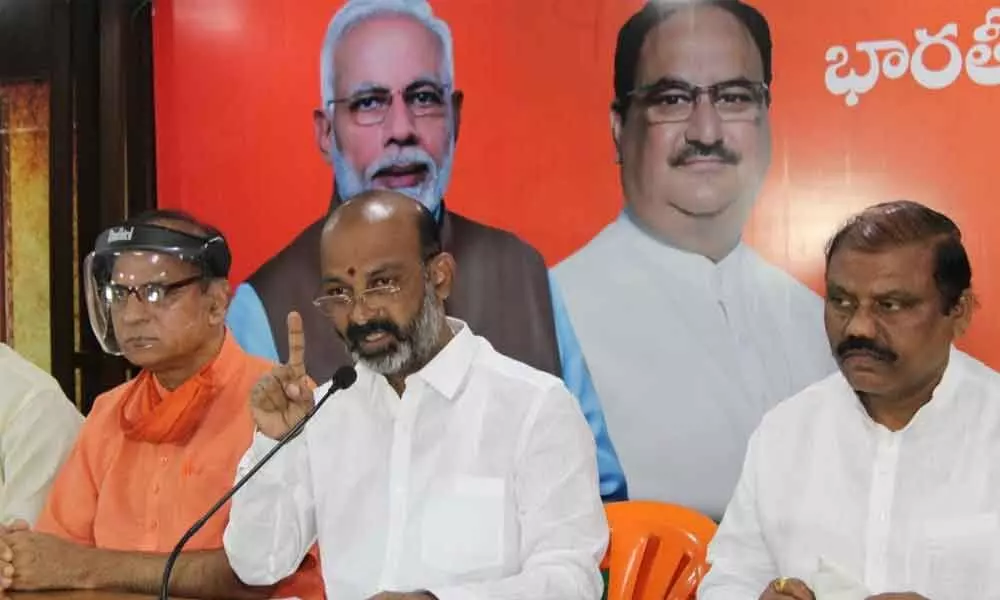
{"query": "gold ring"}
(779, 585)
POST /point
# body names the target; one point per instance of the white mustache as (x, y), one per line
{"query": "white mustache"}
(406, 157)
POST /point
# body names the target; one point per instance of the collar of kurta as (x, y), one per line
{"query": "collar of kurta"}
(942, 398)
(449, 368)
(686, 263)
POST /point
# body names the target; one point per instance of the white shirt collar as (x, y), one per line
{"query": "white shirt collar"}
(941, 397)
(729, 264)
(449, 367)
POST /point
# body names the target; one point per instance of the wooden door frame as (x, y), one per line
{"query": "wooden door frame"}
(103, 150)
(5, 305)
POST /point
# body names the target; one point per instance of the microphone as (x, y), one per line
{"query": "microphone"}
(342, 379)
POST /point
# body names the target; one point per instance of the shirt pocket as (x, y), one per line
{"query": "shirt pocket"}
(462, 529)
(957, 557)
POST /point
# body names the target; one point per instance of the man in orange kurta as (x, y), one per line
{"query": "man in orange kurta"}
(156, 452)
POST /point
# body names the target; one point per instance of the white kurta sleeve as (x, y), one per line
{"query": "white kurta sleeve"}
(564, 532)
(741, 563)
(33, 445)
(272, 522)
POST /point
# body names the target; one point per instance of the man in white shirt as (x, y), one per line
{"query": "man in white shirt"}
(709, 335)
(447, 471)
(882, 480)
(390, 119)
(38, 426)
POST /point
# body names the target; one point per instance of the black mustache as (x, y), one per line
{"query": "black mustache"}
(356, 333)
(696, 149)
(860, 344)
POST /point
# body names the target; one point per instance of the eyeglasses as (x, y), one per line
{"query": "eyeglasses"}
(375, 299)
(116, 294)
(342, 298)
(675, 101)
(423, 99)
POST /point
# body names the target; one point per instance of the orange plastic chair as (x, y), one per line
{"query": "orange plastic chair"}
(657, 551)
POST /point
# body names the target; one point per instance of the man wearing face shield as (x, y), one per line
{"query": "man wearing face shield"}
(157, 451)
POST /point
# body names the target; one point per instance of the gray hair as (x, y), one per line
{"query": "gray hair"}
(357, 11)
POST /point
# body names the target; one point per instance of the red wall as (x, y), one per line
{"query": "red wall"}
(237, 80)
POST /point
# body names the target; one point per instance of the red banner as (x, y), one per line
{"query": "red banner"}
(872, 102)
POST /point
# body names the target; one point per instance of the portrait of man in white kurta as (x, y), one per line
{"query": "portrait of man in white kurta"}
(691, 336)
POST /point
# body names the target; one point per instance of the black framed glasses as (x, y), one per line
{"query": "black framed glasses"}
(116, 294)
(673, 101)
(422, 98)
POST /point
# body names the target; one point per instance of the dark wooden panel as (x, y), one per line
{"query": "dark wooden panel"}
(61, 260)
(141, 124)
(25, 36)
(112, 55)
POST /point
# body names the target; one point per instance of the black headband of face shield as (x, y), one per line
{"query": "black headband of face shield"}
(210, 253)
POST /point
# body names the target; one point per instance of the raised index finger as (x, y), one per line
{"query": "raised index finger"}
(296, 345)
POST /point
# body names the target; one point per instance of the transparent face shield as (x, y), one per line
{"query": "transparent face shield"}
(144, 264)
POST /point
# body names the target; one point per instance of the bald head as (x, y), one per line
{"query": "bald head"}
(384, 210)
(381, 231)
(382, 251)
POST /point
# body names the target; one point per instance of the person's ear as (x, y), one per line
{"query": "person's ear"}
(323, 131)
(442, 270)
(961, 313)
(219, 296)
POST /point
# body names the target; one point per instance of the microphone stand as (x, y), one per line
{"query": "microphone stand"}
(342, 379)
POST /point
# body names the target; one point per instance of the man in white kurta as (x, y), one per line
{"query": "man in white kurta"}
(883, 478)
(446, 471)
(828, 494)
(689, 334)
(38, 426)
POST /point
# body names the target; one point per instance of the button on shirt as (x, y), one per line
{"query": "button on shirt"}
(479, 482)
(913, 510)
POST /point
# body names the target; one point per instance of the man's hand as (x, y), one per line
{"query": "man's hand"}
(284, 395)
(786, 588)
(6, 554)
(897, 596)
(15, 525)
(39, 561)
(403, 596)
